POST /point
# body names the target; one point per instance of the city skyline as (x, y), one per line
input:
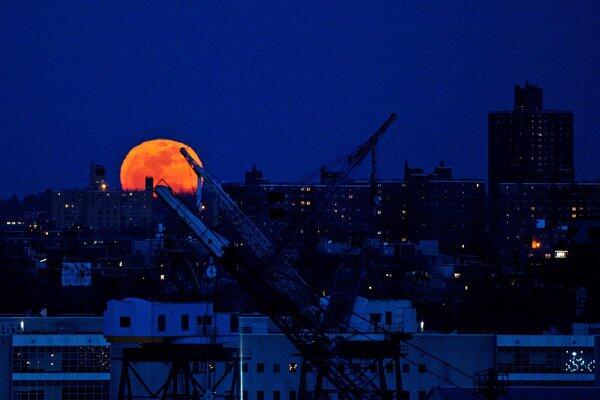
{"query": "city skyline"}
(302, 84)
(394, 200)
(115, 182)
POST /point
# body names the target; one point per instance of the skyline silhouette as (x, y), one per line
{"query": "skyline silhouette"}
(286, 86)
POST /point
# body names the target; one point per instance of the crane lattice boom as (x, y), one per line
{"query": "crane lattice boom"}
(251, 235)
(276, 286)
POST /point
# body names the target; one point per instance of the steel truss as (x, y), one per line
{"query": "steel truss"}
(181, 382)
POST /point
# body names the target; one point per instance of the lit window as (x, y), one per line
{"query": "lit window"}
(561, 253)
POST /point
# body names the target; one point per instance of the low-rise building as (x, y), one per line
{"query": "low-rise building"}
(271, 367)
(53, 358)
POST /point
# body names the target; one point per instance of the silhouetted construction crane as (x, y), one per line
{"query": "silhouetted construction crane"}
(280, 292)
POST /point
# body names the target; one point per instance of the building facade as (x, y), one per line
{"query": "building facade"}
(530, 144)
(548, 360)
(536, 218)
(432, 206)
(100, 209)
(533, 199)
(47, 358)
(451, 211)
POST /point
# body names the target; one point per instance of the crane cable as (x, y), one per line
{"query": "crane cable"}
(355, 331)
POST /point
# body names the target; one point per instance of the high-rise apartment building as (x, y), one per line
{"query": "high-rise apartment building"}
(533, 197)
(529, 143)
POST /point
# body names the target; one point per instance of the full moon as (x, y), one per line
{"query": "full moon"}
(160, 159)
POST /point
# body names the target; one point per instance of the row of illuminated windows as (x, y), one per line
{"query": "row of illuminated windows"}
(546, 359)
(61, 359)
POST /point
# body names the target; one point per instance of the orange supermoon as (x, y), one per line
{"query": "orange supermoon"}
(160, 159)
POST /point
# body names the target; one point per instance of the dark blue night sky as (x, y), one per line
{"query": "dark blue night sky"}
(285, 85)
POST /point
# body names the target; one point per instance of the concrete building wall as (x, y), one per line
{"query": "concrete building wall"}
(467, 353)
